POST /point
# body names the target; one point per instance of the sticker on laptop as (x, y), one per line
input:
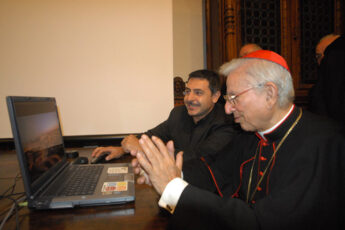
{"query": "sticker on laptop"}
(111, 187)
(117, 170)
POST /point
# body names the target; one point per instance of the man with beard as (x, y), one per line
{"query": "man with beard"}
(200, 128)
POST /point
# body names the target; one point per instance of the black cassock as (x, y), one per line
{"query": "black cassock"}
(302, 188)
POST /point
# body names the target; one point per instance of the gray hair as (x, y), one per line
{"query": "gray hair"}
(260, 72)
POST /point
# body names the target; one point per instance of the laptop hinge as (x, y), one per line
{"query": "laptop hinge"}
(48, 182)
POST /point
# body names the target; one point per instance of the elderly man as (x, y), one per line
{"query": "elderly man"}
(322, 45)
(327, 96)
(200, 128)
(286, 172)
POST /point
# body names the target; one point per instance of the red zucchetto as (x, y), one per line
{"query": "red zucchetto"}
(269, 56)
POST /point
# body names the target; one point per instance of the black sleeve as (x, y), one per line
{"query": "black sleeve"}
(216, 175)
(200, 209)
(162, 130)
(220, 136)
(196, 173)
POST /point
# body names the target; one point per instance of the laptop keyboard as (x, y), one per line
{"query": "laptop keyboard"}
(82, 181)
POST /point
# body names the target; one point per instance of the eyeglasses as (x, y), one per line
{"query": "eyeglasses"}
(232, 98)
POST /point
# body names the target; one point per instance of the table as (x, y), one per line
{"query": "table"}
(144, 213)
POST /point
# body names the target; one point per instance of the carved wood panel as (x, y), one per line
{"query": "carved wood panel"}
(289, 27)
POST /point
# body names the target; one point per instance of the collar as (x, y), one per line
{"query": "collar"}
(209, 116)
(279, 129)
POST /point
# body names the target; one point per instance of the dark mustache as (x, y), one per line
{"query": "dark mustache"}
(190, 103)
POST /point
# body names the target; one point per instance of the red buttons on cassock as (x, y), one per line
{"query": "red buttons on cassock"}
(264, 143)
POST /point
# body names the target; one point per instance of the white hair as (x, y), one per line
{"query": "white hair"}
(261, 71)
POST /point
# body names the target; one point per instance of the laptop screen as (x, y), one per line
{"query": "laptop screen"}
(37, 134)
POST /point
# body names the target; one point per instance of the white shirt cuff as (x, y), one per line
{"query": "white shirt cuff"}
(171, 194)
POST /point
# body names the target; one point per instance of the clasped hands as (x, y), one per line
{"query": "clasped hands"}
(155, 162)
(158, 162)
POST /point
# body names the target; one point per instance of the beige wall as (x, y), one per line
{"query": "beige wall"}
(188, 37)
(109, 63)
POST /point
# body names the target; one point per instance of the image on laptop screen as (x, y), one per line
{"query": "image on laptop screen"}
(40, 136)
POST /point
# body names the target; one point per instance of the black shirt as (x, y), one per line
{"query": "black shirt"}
(204, 138)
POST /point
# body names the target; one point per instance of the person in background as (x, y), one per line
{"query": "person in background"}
(327, 97)
(322, 45)
(200, 128)
(245, 49)
(248, 48)
(287, 171)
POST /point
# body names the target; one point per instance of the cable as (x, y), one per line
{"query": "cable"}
(13, 194)
(11, 188)
(9, 213)
(15, 205)
(6, 217)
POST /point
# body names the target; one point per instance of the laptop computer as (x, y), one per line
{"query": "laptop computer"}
(44, 165)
